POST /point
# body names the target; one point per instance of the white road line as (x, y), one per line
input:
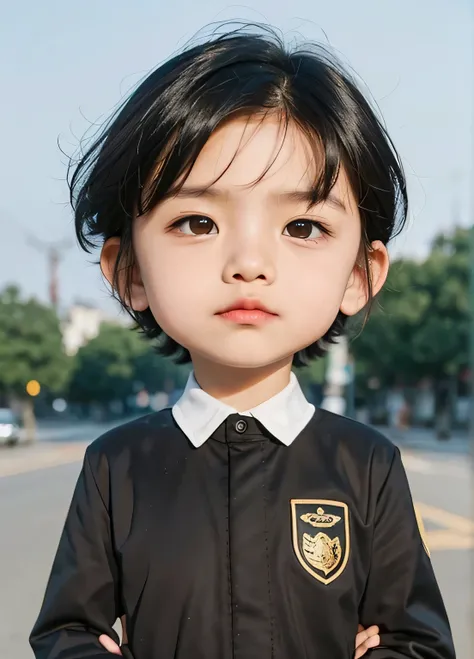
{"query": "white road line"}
(451, 468)
(422, 466)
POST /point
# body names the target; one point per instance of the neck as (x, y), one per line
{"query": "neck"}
(242, 388)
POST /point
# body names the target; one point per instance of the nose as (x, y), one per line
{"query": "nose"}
(249, 259)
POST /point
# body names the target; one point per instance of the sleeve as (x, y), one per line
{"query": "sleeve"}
(82, 596)
(402, 596)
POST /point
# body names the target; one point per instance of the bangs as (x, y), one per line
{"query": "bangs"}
(149, 149)
(169, 174)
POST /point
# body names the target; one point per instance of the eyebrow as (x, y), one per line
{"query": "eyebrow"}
(307, 196)
(299, 196)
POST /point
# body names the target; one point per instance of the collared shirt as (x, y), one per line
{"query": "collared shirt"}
(284, 415)
(242, 548)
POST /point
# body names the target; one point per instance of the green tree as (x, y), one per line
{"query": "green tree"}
(312, 376)
(104, 367)
(30, 349)
(420, 324)
(117, 363)
(156, 373)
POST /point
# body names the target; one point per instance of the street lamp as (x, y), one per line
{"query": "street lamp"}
(33, 389)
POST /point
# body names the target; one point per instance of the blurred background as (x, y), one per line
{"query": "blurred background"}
(70, 367)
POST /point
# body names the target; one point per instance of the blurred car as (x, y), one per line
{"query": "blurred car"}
(10, 427)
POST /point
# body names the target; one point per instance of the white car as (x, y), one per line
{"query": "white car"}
(10, 430)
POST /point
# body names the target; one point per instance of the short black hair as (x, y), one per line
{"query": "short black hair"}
(169, 118)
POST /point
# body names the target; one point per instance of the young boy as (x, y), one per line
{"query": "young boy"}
(244, 197)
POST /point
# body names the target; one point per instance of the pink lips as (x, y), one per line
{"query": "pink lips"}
(247, 312)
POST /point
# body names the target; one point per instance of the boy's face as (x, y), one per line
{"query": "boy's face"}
(247, 244)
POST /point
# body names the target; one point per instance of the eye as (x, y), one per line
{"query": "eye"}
(303, 229)
(195, 225)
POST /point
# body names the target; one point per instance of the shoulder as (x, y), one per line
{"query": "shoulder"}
(114, 459)
(360, 443)
(133, 436)
(360, 455)
(347, 429)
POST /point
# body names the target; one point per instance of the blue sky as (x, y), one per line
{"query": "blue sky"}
(65, 65)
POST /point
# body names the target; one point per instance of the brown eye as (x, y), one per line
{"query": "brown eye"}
(303, 229)
(196, 225)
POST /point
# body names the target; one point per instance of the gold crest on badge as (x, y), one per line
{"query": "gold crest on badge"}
(324, 553)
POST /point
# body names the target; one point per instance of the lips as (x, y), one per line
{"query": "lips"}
(247, 304)
(247, 312)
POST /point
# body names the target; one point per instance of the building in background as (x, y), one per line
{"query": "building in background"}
(82, 323)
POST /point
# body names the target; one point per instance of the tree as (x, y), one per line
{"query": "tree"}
(104, 367)
(311, 378)
(116, 364)
(30, 349)
(420, 325)
(156, 373)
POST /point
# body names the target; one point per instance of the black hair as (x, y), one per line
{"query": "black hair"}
(169, 118)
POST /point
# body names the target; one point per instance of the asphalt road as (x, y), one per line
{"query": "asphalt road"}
(36, 485)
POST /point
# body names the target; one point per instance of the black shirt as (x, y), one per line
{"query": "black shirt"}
(243, 548)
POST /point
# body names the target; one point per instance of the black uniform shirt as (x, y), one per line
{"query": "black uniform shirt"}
(243, 548)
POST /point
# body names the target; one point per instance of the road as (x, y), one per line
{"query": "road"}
(36, 485)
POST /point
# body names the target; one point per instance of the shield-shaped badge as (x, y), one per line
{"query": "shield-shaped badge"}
(321, 537)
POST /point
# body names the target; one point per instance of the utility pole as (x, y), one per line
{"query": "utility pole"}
(338, 376)
(471, 365)
(54, 254)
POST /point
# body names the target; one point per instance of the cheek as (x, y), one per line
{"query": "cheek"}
(315, 296)
(323, 276)
(175, 287)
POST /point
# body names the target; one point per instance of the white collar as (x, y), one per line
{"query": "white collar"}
(284, 415)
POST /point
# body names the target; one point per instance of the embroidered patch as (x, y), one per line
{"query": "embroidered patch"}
(321, 539)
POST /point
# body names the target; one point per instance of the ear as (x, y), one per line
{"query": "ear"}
(133, 294)
(356, 295)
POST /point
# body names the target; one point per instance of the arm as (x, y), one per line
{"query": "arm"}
(82, 599)
(402, 596)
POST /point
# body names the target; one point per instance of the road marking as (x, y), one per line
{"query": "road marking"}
(451, 521)
(447, 467)
(458, 531)
(414, 463)
(446, 540)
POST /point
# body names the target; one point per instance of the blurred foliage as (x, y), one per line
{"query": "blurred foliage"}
(419, 326)
(117, 364)
(30, 345)
(314, 373)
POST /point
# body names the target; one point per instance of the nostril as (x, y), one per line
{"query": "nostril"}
(241, 278)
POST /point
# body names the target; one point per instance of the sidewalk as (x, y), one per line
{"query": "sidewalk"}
(25, 458)
(424, 439)
(75, 429)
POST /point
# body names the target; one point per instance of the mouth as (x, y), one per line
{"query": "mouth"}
(247, 312)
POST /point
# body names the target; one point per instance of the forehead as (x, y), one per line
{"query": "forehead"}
(256, 152)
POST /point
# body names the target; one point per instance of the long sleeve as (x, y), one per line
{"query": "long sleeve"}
(402, 595)
(81, 600)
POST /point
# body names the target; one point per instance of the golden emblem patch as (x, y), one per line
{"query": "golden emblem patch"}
(321, 537)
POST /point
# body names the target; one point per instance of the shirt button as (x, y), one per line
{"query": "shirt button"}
(241, 426)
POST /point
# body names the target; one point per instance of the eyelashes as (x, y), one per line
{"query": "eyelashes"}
(196, 225)
(305, 229)
(202, 225)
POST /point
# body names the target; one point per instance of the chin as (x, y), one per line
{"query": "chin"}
(245, 359)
